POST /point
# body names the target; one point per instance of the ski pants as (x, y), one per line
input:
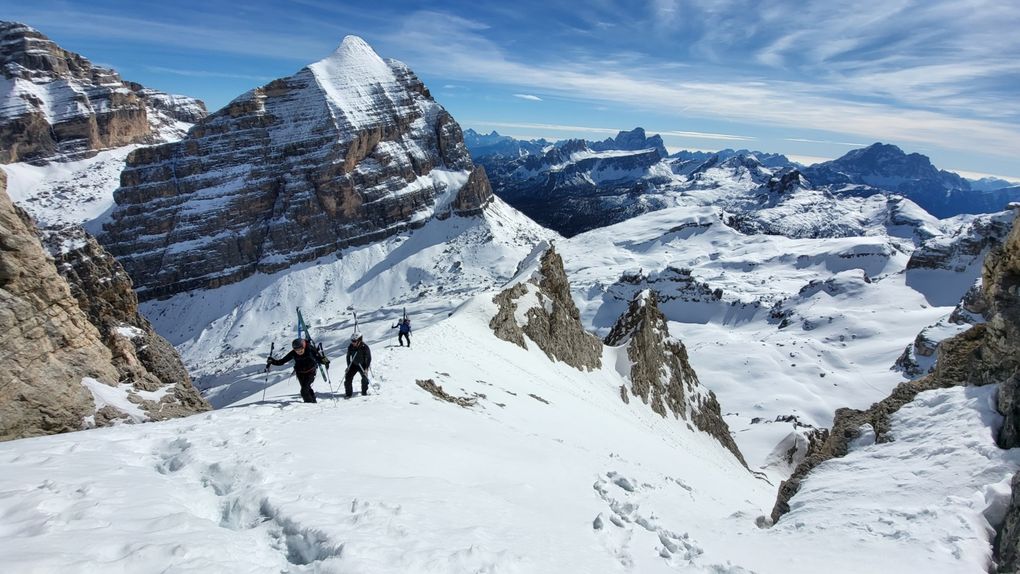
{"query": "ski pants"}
(306, 380)
(403, 336)
(352, 370)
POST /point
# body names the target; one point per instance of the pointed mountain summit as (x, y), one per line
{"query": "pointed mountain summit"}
(55, 104)
(347, 151)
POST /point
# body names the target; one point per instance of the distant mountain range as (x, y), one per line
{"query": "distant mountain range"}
(576, 185)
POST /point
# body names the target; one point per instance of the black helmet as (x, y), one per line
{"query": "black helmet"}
(298, 344)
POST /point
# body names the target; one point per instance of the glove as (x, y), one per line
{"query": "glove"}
(325, 362)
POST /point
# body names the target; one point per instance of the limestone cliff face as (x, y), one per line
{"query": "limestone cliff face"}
(661, 374)
(143, 359)
(57, 105)
(47, 342)
(538, 304)
(347, 151)
(60, 372)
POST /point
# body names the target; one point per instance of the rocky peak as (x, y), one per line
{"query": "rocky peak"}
(346, 151)
(786, 182)
(57, 105)
(537, 303)
(633, 140)
(661, 374)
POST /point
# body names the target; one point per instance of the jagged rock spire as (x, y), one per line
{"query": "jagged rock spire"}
(661, 374)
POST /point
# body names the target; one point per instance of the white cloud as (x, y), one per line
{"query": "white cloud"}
(805, 140)
(601, 130)
(207, 74)
(528, 97)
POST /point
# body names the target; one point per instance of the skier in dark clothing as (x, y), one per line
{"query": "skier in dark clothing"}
(306, 360)
(405, 331)
(359, 359)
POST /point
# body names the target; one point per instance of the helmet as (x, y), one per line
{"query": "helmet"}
(298, 344)
(356, 336)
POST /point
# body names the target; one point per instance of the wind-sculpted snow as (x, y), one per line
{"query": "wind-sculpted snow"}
(347, 151)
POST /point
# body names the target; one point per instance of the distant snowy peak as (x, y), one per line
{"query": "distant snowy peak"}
(347, 151)
(55, 104)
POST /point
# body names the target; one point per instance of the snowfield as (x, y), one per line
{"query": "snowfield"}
(548, 472)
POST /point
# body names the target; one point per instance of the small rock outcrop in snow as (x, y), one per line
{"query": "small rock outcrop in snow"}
(58, 375)
(660, 373)
(347, 151)
(539, 305)
(57, 105)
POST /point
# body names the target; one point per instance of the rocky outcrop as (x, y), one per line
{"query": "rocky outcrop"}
(952, 369)
(964, 248)
(58, 105)
(1007, 540)
(46, 340)
(538, 304)
(60, 372)
(347, 151)
(661, 374)
(144, 360)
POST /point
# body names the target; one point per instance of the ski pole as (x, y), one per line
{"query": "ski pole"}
(325, 375)
(272, 347)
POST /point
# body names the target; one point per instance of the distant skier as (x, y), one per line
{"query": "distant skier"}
(359, 359)
(405, 331)
(306, 361)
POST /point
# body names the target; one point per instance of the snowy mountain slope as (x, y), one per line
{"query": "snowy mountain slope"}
(59, 194)
(224, 334)
(56, 105)
(402, 482)
(775, 326)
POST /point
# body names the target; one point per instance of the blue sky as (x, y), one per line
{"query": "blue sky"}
(809, 79)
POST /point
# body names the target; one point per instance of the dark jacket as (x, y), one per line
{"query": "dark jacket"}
(304, 363)
(359, 355)
(405, 326)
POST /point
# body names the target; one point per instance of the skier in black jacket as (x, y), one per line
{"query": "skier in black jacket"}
(306, 360)
(359, 359)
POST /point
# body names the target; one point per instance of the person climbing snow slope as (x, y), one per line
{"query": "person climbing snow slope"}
(306, 359)
(359, 359)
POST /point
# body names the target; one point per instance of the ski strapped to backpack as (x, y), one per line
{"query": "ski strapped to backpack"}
(303, 328)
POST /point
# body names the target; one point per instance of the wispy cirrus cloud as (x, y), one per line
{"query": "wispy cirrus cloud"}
(762, 100)
(806, 140)
(528, 97)
(207, 74)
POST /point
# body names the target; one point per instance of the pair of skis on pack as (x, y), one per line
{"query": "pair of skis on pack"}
(303, 328)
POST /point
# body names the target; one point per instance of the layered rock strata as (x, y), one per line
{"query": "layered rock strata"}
(55, 104)
(661, 374)
(60, 372)
(347, 151)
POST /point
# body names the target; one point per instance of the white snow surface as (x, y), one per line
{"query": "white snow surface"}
(549, 472)
(72, 192)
